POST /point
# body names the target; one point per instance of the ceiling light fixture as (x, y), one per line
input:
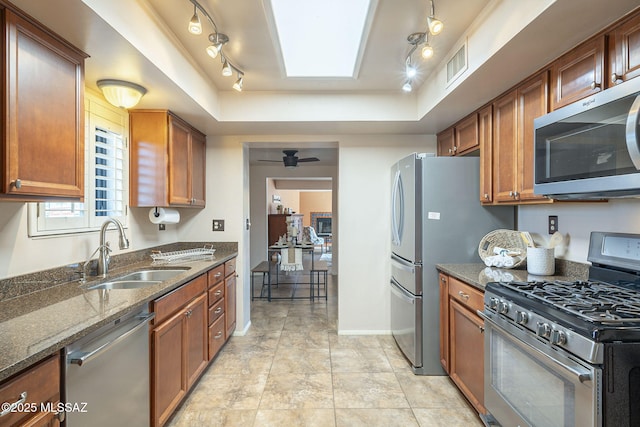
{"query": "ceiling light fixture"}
(218, 40)
(195, 27)
(121, 93)
(238, 84)
(434, 26)
(226, 69)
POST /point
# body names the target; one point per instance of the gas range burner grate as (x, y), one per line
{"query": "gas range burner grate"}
(591, 300)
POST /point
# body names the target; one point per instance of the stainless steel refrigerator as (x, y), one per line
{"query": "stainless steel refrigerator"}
(436, 218)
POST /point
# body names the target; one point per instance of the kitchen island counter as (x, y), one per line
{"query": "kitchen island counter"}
(37, 324)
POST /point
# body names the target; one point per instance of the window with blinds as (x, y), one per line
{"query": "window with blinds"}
(106, 186)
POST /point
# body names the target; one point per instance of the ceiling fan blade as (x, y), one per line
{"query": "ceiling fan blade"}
(309, 159)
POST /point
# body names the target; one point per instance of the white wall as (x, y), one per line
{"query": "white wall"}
(364, 195)
(577, 220)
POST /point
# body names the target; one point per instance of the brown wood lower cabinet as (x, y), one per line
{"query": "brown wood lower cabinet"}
(179, 346)
(40, 386)
(462, 338)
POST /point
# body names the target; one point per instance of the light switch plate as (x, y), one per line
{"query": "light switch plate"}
(218, 225)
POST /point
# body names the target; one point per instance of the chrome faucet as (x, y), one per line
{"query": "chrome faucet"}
(103, 257)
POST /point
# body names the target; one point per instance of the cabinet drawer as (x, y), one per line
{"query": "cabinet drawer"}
(165, 306)
(216, 275)
(467, 295)
(216, 337)
(216, 293)
(229, 267)
(215, 311)
(39, 384)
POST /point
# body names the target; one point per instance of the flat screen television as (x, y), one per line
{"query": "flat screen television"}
(323, 225)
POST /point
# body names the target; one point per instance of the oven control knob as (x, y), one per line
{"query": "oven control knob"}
(522, 317)
(543, 329)
(558, 337)
(493, 303)
(503, 307)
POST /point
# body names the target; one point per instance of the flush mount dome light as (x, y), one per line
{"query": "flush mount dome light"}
(121, 93)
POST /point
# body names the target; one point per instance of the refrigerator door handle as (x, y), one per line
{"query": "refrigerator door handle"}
(403, 264)
(401, 293)
(397, 217)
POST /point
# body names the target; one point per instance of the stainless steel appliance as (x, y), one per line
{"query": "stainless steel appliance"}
(591, 148)
(107, 375)
(568, 353)
(436, 218)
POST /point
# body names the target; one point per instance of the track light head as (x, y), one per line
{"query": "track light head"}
(410, 69)
(195, 27)
(226, 69)
(427, 51)
(407, 86)
(238, 84)
(435, 25)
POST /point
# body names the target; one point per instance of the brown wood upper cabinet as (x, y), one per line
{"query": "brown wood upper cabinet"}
(459, 139)
(578, 73)
(167, 160)
(43, 139)
(513, 143)
(624, 51)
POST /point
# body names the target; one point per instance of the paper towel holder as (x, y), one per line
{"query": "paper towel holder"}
(156, 213)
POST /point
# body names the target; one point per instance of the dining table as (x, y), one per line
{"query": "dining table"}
(277, 249)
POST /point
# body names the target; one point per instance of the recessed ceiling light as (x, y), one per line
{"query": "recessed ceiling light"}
(320, 38)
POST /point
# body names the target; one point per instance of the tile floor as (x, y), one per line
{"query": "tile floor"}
(293, 369)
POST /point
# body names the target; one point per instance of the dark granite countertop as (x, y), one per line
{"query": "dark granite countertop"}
(478, 274)
(38, 323)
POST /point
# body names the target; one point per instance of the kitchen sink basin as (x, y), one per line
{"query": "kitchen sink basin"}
(125, 284)
(160, 275)
(140, 279)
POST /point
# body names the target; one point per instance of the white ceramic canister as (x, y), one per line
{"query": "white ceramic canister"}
(541, 261)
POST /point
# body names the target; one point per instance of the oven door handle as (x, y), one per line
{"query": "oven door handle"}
(523, 341)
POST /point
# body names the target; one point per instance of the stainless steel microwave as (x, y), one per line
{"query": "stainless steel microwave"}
(591, 148)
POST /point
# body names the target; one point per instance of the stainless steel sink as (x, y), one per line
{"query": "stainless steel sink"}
(140, 279)
(160, 275)
(125, 284)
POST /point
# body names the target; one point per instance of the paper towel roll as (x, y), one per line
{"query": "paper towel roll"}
(164, 216)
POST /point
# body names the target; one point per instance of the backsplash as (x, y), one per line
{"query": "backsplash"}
(28, 283)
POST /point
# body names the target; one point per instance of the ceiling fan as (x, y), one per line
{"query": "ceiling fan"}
(290, 159)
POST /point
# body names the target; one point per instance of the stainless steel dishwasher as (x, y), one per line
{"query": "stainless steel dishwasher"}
(107, 375)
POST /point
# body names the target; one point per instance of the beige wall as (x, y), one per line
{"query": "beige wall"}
(314, 201)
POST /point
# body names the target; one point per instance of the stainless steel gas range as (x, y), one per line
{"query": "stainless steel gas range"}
(567, 353)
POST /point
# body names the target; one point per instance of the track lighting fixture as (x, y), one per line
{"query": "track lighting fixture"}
(238, 84)
(226, 69)
(434, 26)
(218, 40)
(195, 27)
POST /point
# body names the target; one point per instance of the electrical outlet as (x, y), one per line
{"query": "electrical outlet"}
(553, 224)
(162, 227)
(218, 225)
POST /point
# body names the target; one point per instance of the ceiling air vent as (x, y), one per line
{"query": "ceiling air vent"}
(457, 64)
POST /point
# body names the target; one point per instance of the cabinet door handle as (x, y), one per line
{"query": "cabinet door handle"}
(218, 335)
(515, 194)
(188, 313)
(486, 196)
(450, 150)
(218, 274)
(595, 85)
(615, 77)
(443, 279)
(12, 407)
(218, 292)
(463, 295)
(218, 310)
(17, 183)
(481, 329)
